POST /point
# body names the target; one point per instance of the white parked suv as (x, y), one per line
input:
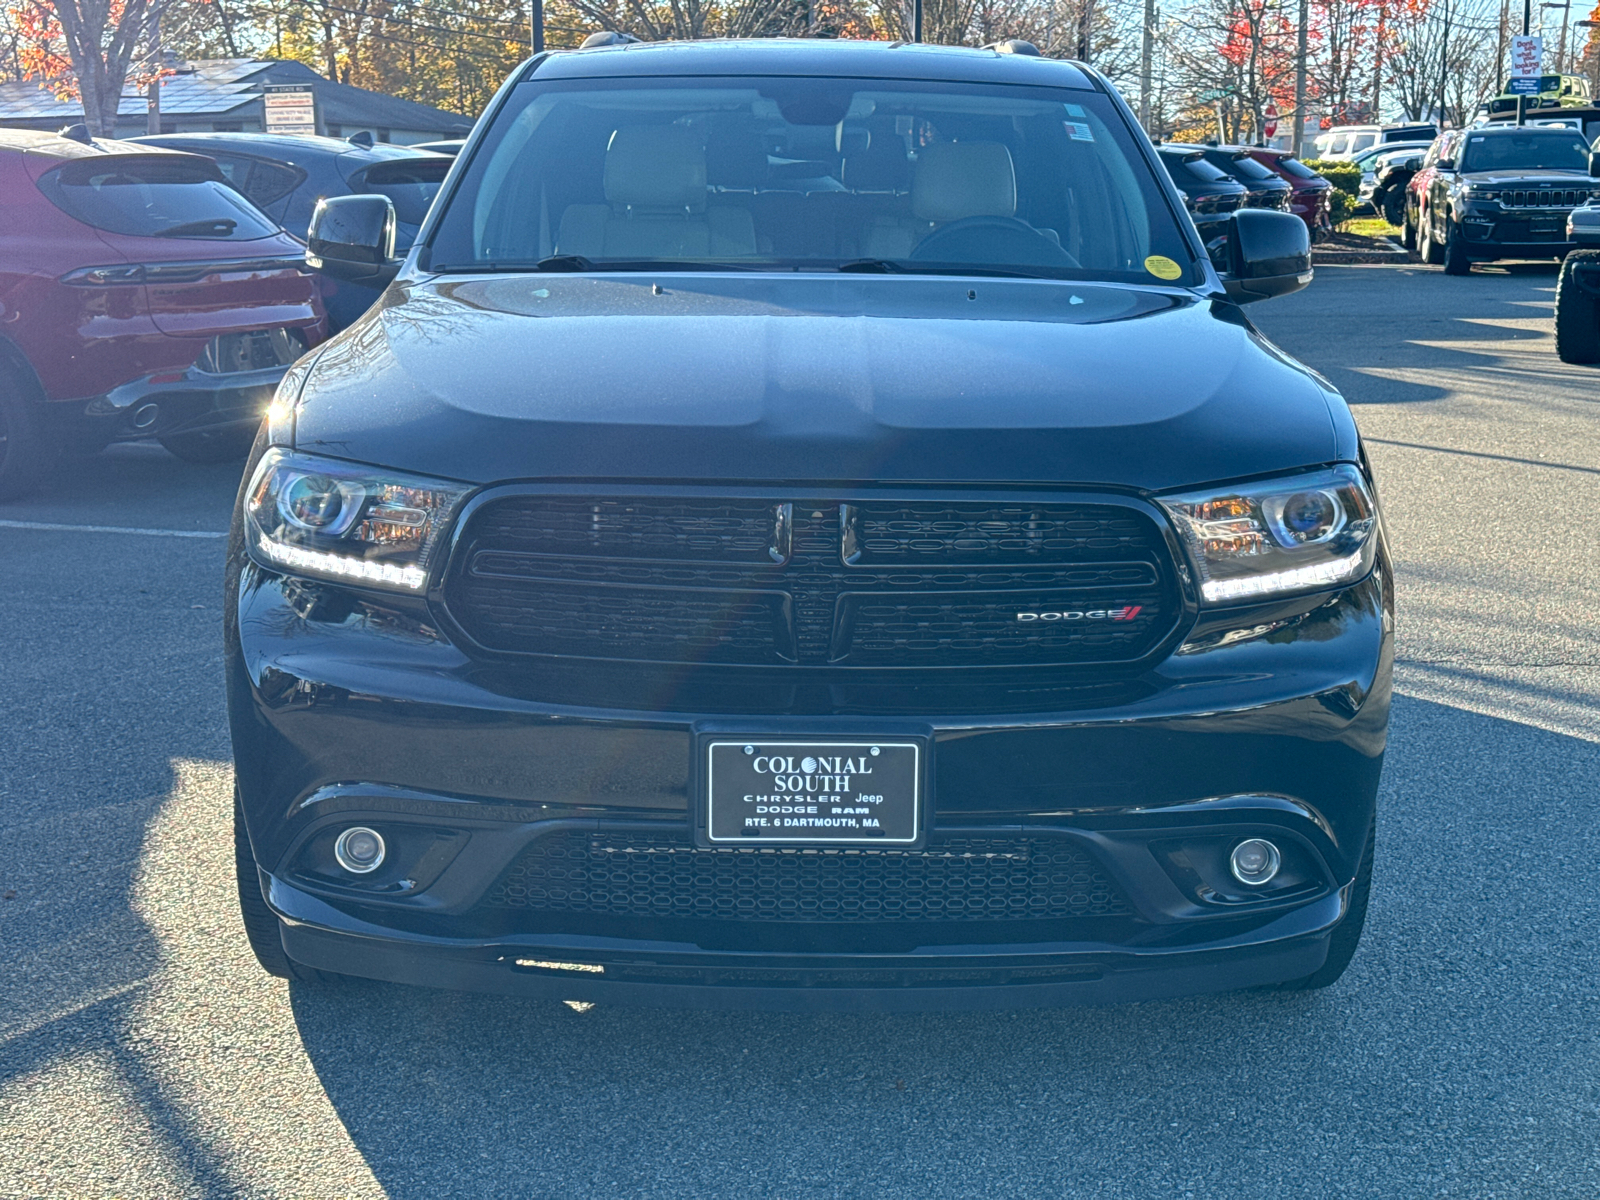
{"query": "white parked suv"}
(1344, 142)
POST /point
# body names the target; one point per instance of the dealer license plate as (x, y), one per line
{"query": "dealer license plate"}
(861, 792)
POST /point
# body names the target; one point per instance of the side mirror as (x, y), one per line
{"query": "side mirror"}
(1414, 163)
(1594, 165)
(1269, 254)
(352, 238)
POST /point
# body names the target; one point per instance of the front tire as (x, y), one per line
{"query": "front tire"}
(1577, 313)
(260, 922)
(27, 449)
(1347, 936)
(1394, 209)
(1456, 261)
(1408, 231)
(1427, 246)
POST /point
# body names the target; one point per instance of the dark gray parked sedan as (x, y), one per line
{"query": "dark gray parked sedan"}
(286, 175)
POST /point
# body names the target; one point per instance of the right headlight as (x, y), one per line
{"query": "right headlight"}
(327, 519)
(1275, 538)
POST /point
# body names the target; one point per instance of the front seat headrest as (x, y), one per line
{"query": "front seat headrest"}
(954, 180)
(656, 166)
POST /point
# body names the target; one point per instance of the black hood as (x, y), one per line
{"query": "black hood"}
(1509, 178)
(829, 378)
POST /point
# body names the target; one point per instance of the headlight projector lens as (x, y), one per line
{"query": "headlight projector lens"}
(1255, 862)
(360, 850)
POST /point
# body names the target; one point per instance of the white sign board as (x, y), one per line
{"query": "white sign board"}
(1527, 57)
(289, 109)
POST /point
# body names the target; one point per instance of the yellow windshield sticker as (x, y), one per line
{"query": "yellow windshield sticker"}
(1162, 267)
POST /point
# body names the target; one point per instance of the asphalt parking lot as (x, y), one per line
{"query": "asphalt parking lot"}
(142, 1053)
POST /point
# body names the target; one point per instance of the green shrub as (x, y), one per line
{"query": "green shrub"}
(1345, 177)
(1341, 205)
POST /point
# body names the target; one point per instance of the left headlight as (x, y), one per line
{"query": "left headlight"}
(332, 520)
(1278, 537)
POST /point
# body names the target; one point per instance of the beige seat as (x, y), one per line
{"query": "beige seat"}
(951, 181)
(655, 186)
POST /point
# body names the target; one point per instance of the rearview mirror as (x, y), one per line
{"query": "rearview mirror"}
(352, 238)
(1269, 254)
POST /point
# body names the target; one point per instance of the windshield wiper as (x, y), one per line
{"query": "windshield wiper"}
(220, 227)
(871, 266)
(884, 266)
(578, 263)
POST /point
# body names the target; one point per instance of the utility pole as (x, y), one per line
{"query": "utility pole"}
(536, 25)
(1522, 99)
(1300, 80)
(1444, 63)
(1147, 45)
(916, 20)
(153, 91)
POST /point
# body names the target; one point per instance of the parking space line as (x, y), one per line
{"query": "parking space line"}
(52, 526)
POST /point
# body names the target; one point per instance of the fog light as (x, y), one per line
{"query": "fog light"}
(1255, 862)
(359, 850)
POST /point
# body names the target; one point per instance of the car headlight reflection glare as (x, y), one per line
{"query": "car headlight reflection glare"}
(1280, 536)
(333, 520)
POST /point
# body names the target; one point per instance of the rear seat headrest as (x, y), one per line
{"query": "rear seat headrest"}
(954, 180)
(656, 166)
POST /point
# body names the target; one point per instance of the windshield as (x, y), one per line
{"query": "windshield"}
(165, 196)
(1245, 167)
(1532, 150)
(786, 173)
(1297, 168)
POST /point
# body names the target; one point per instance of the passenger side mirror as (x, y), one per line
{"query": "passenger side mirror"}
(352, 239)
(1269, 254)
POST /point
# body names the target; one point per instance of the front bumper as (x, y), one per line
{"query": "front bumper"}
(1494, 232)
(357, 710)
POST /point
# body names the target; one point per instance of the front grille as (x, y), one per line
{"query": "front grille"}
(1545, 198)
(871, 583)
(662, 874)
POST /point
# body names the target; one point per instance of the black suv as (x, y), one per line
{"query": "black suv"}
(1210, 194)
(1502, 192)
(1264, 187)
(1578, 288)
(808, 526)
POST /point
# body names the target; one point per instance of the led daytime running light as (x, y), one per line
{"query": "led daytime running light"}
(1315, 575)
(358, 569)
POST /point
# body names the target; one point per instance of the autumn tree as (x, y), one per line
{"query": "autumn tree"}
(87, 49)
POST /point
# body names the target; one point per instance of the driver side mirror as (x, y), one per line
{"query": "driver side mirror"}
(1268, 254)
(1414, 163)
(352, 239)
(1594, 165)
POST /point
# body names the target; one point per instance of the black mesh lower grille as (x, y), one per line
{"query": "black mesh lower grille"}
(965, 878)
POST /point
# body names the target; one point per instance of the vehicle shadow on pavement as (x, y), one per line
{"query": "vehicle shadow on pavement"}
(1456, 1056)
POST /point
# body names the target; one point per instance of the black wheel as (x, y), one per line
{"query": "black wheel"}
(1342, 947)
(27, 449)
(1456, 261)
(207, 447)
(1425, 243)
(1577, 313)
(260, 922)
(1394, 209)
(1408, 231)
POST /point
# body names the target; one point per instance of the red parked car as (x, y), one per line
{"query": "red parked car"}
(1312, 197)
(140, 296)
